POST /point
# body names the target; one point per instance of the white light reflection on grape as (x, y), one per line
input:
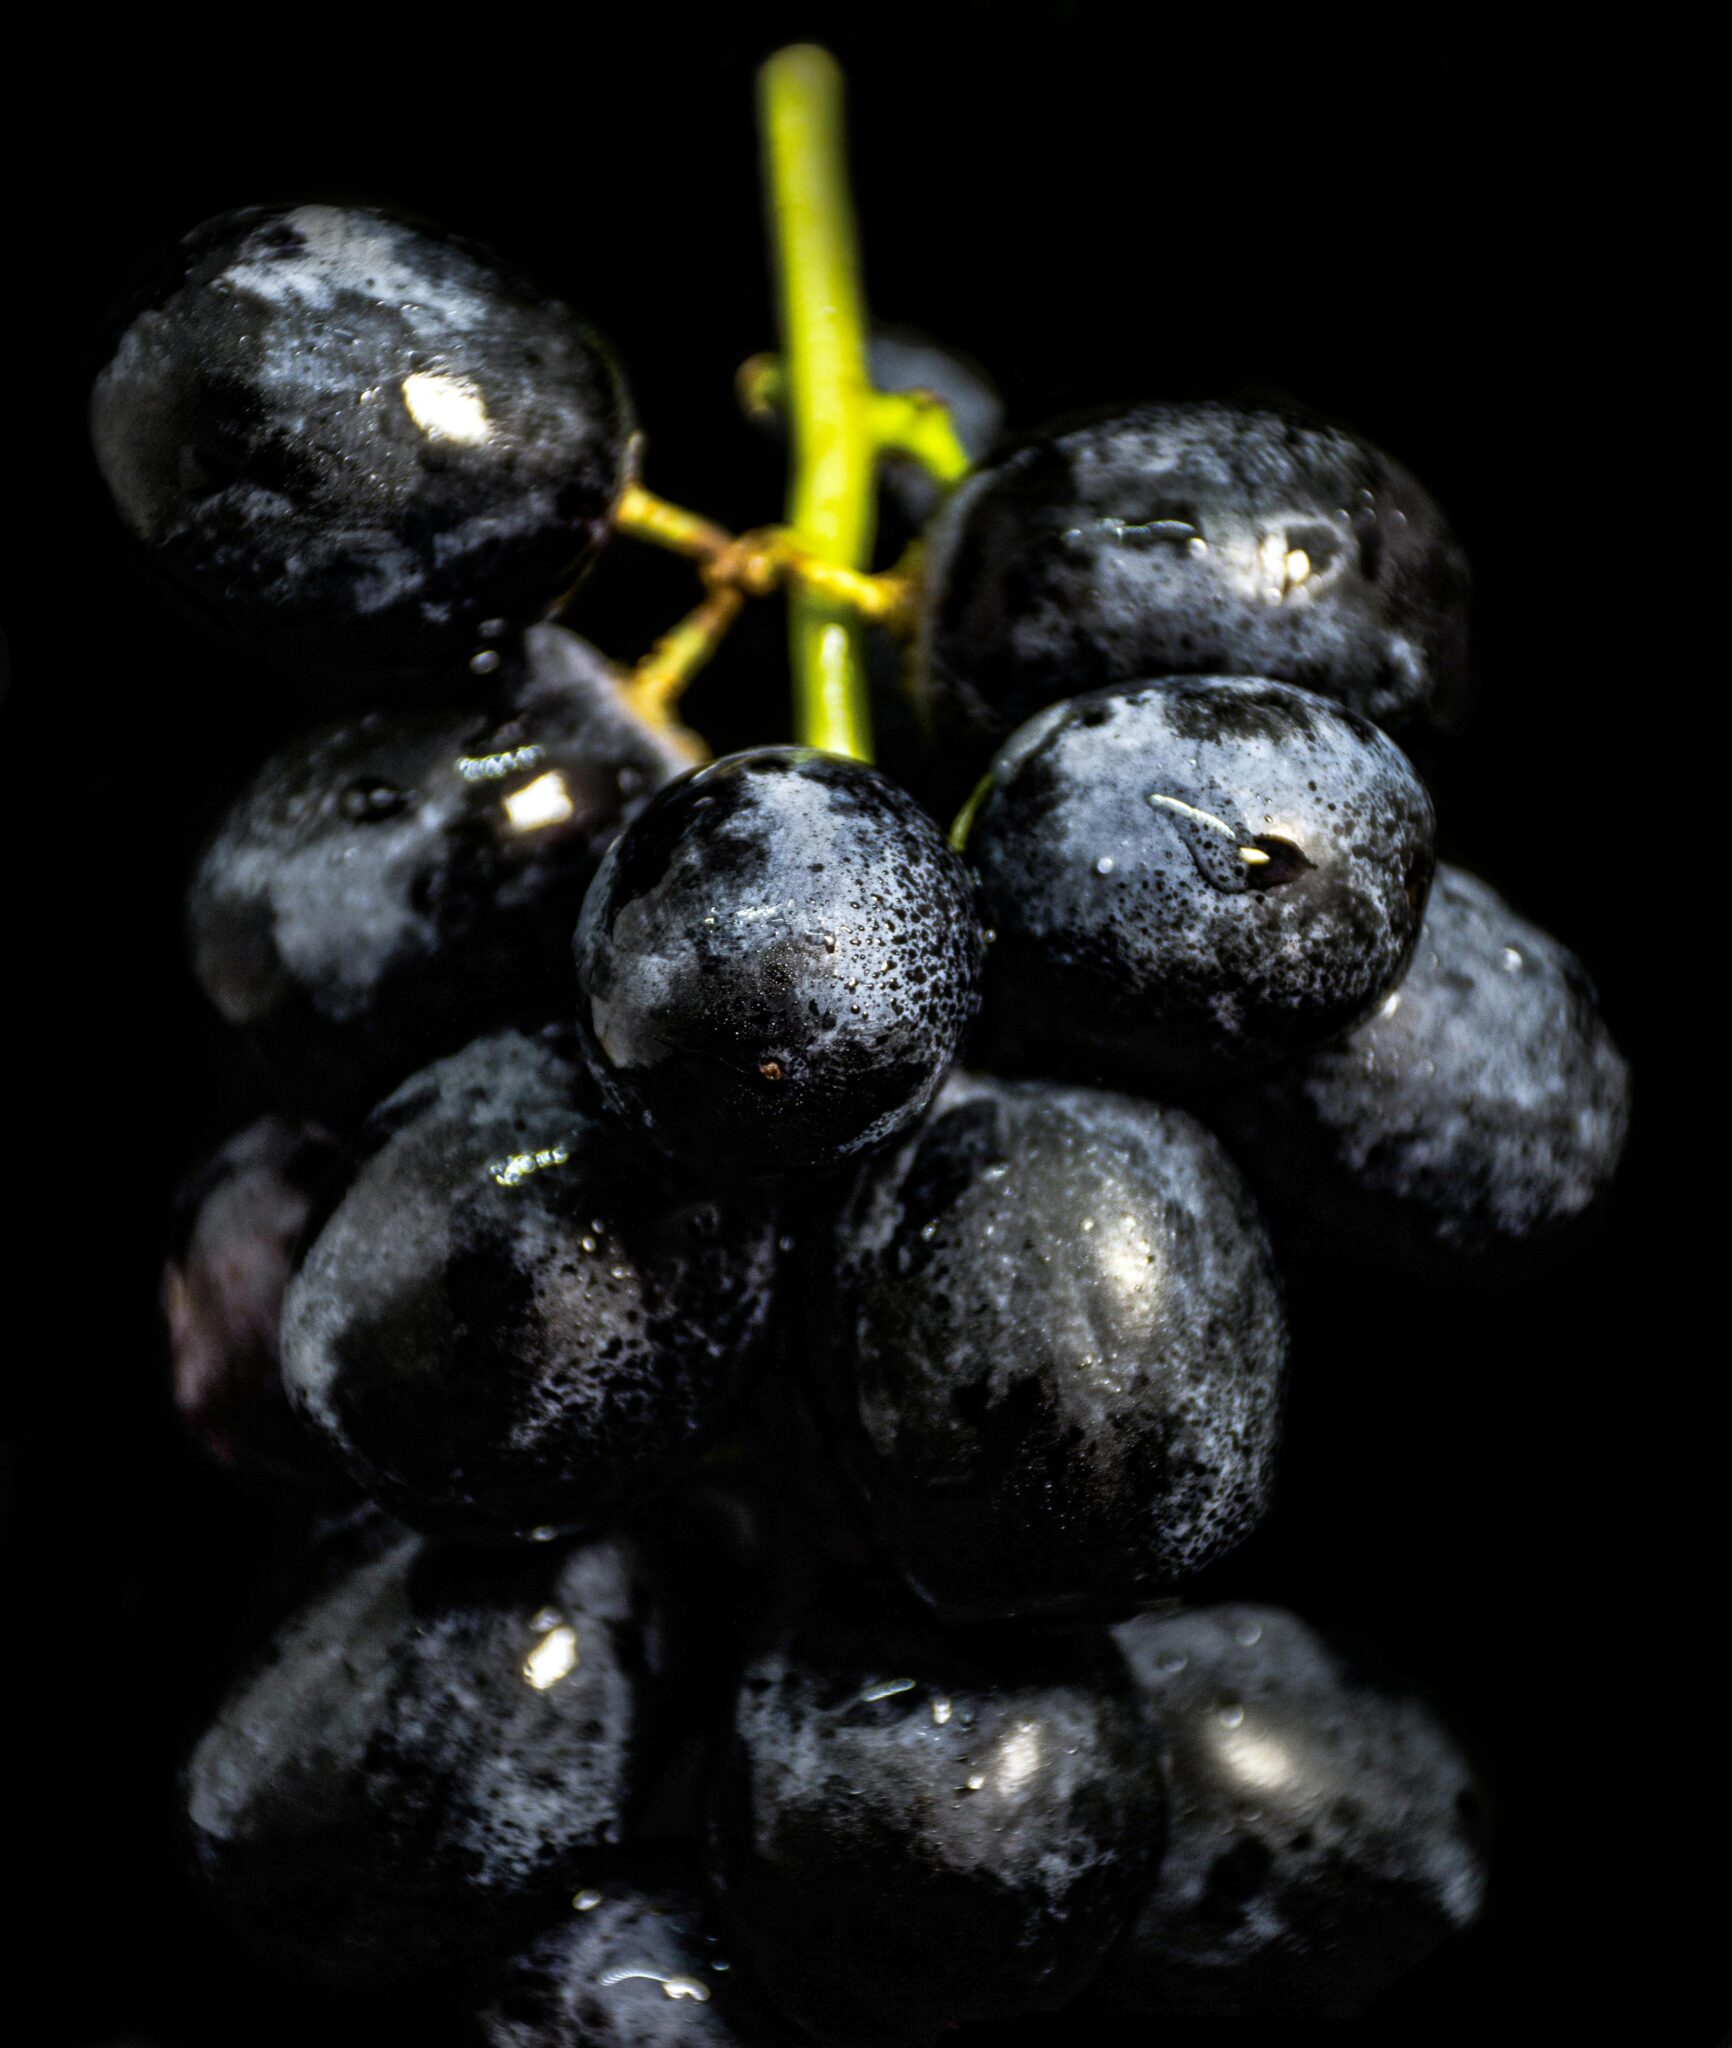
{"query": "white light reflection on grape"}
(553, 1658)
(447, 408)
(545, 801)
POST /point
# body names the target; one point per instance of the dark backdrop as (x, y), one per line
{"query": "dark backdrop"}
(1399, 227)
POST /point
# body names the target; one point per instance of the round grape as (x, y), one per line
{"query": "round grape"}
(388, 886)
(1195, 877)
(777, 962)
(1472, 1124)
(1192, 539)
(512, 1320)
(436, 1751)
(916, 1830)
(1050, 1339)
(1326, 1831)
(637, 1965)
(242, 1219)
(355, 441)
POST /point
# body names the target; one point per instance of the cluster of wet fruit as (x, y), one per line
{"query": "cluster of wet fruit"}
(726, 1133)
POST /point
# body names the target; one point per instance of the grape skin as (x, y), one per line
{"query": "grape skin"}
(512, 1321)
(354, 442)
(1049, 1338)
(1326, 1828)
(1194, 877)
(1205, 539)
(388, 886)
(916, 1830)
(777, 963)
(421, 1766)
(1471, 1126)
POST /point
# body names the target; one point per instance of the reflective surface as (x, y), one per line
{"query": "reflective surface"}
(1471, 1125)
(1207, 539)
(1051, 1346)
(354, 441)
(1194, 878)
(513, 1320)
(639, 1965)
(777, 963)
(406, 1776)
(918, 1831)
(1326, 1831)
(388, 886)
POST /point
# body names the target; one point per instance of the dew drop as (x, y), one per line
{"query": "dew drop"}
(369, 801)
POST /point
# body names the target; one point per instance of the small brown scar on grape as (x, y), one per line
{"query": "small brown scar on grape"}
(770, 1069)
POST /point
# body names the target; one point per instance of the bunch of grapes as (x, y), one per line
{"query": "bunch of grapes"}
(773, 1301)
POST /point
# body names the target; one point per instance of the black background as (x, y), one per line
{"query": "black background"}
(1402, 229)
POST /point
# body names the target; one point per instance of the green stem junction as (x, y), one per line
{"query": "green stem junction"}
(838, 429)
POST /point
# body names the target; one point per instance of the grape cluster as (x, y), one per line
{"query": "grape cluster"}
(769, 1303)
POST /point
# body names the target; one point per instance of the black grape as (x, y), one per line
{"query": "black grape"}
(777, 962)
(1326, 1830)
(1049, 1337)
(357, 442)
(513, 1321)
(1201, 539)
(1194, 877)
(242, 1219)
(916, 1830)
(390, 885)
(435, 1752)
(1471, 1125)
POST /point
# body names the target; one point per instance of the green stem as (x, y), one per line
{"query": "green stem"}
(830, 503)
